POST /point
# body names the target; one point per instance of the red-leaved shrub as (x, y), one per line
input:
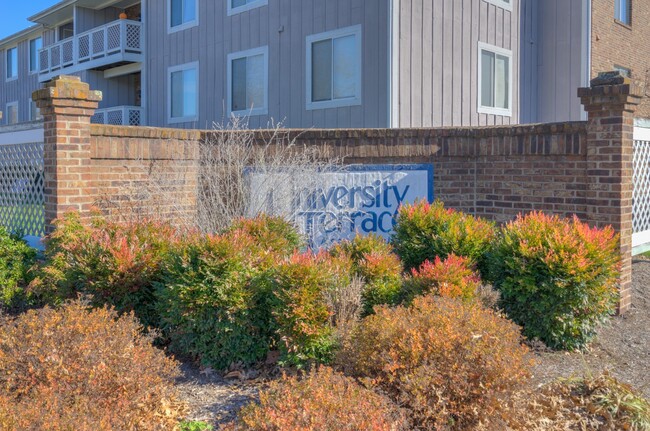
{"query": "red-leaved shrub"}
(447, 361)
(323, 400)
(452, 277)
(74, 369)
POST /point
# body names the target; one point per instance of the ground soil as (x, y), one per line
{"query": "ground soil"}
(622, 347)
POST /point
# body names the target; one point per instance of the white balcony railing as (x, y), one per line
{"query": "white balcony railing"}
(115, 42)
(119, 116)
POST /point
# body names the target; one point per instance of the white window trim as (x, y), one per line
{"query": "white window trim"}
(489, 109)
(338, 103)
(500, 3)
(13, 78)
(170, 70)
(183, 26)
(29, 60)
(262, 110)
(248, 6)
(15, 103)
(31, 102)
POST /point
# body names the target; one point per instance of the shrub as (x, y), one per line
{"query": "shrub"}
(305, 322)
(16, 258)
(380, 269)
(114, 263)
(557, 277)
(83, 370)
(446, 360)
(590, 403)
(452, 277)
(272, 234)
(207, 302)
(323, 400)
(425, 231)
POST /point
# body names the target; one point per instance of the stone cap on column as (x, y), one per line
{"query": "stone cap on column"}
(611, 88)
(67, 95)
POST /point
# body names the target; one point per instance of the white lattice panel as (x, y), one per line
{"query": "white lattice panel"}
(44, 59)
(22, 202)
(98, 118)
(114, 118)
(133, 36)
(113, 37)
(84, 47)
(68, 55)
(641, 179)
(56, 56)
(135, 117)
(98, 42)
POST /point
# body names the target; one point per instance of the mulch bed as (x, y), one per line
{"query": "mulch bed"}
(622, 347)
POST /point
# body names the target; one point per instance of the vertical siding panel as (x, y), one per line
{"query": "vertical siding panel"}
(427, 64)
(344, 19)
(458, 67)
(466, 36)
(297, 64)
(483, 37)
(448, 59)
(438, 66)
(417, 26)
(406, 51)
(307, 29)
(378, 26)
(473, 72)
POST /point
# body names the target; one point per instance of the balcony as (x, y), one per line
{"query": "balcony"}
(111, 45)
(119, 116)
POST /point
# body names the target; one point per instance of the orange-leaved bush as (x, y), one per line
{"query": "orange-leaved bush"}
(452, 277)
(557, 277)
(75, 369)
(425, 231)
(322, 400)
(448, 361)
(378, 266)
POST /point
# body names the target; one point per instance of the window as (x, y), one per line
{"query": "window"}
(623, 11)
(182, 14)
(238, 6)
(34, 111)
(183, 93)
(12, 63)
(66, 31)
(334, 69)
(12, 113)
(505, 4)
(35, 45)
(495, 83)
(248, 82)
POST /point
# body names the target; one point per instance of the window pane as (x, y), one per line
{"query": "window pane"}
(321, 71)
(502, 82)
(487, 79)
(12, 114)
(189, 10)
(12, 63)
(255, 81)
(238, 3)
(176, 12)
(238, 84)
(34, 46)
(177, 94)
(190, 96)
(345, 67)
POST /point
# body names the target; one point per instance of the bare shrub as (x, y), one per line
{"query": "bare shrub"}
(345, 302)
(283, 170)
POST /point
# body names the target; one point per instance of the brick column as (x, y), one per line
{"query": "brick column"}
(610, 103)
(67, 104)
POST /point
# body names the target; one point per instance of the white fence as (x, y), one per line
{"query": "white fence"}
(119, 116)
(641, 194)
(22, 201)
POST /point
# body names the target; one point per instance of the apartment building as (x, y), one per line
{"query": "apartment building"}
(323, 63)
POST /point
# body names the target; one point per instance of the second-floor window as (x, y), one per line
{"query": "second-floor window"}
(34, 111)
(495, 83)
(183, 93)
(182, 14)
(334, 68)
(237, 6)
(248, 82)
(34, 46)
(12, 113)
(12, 63)
(623, 11)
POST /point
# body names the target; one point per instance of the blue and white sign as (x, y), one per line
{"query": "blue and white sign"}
(361, 199)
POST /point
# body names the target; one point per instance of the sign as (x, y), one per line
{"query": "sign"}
(334, 205)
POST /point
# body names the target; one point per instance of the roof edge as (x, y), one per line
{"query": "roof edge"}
(42, 14)
(20, 35)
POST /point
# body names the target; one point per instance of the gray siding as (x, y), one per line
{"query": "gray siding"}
(554, 59)
(115, 91)
(21, 89)
(88, 19)
(283, 26)
(437, 60)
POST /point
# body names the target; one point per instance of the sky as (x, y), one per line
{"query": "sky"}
(14, 17)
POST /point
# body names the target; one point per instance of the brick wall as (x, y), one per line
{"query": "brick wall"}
(616, 44)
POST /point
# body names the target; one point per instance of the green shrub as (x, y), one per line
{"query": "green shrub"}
(447, 361)
(452, 277)
(195, 426)
(303, 314)
(323, 400)
(16, 258)
(75, 369)
(425, 231)
(380, 269)
(273, 234)
(557, 277)
(114, 263)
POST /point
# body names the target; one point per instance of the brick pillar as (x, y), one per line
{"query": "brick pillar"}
(67, 104)
(610, 103)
